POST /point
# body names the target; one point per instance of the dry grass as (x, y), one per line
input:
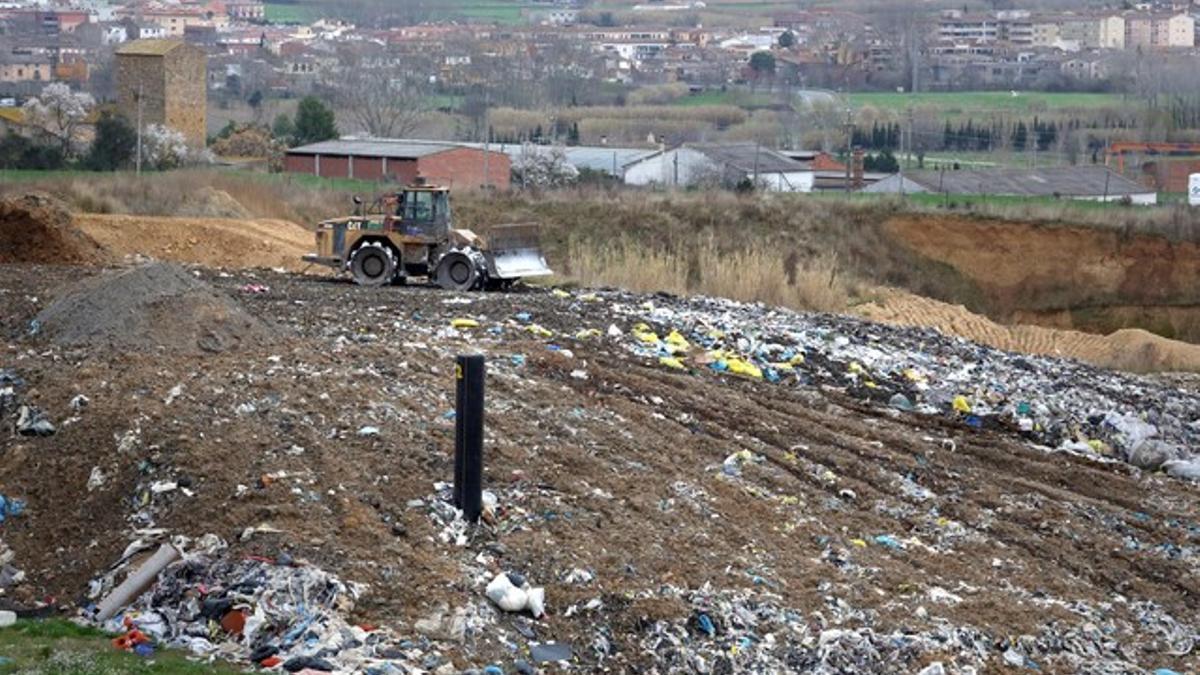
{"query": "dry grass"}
(195, 193)
(803, 251)
(657, 94)
(756, 274)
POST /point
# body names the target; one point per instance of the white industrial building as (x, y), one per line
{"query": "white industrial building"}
(1090, 183)
(702, 163)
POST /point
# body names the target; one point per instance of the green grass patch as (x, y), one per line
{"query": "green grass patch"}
(980, 203)
(277, 12)
(739, 98)
(30, 175)
(498, 11)
(446, 101)
(364, 187)
(304, 180)
(58, 647)
(485, 11)
(951, 104)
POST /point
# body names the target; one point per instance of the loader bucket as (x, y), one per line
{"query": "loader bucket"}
(515, 251)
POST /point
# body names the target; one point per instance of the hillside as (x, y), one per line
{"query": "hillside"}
(697, 484)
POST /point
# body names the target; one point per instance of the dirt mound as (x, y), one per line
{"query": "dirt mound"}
(1060, 276)
(152, 306)
(213, 242)
(37, 228)
(1132, 350)
(209, 202)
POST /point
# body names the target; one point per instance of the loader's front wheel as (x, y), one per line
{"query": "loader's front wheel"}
(372, 265)
(457, 272)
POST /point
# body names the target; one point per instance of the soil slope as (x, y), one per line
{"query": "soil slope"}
(213, 242)
(37, 228)
(1063, 276)
(1129, 349)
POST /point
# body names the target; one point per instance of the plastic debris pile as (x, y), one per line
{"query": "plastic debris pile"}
(755, 631)
(268, 612)
(1054, 403)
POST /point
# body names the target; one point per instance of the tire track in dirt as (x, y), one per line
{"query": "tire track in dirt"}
(851, 454)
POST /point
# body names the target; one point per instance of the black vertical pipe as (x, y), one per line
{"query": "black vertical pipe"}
(468, 437)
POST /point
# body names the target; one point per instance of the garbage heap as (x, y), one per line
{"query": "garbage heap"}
(1055, 404)
(269, 612)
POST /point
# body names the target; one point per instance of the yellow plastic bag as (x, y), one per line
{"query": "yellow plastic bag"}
(961, 404)
(739, 367)
(643, 333)
(677, 342)
(672, 362)
(464, 323)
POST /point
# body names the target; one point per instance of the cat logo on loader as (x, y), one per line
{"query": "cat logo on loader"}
(410, 234)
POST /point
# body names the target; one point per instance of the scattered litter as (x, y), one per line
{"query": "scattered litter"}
(550, 651)
(512, 597)
(32, 421)
(10, 507)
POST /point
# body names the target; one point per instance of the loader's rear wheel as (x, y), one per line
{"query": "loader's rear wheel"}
(372, 265)
(457, 272)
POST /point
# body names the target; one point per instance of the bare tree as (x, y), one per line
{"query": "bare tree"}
(906, 34)
(382, 104)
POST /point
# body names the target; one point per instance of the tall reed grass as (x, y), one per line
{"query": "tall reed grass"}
(754, 274)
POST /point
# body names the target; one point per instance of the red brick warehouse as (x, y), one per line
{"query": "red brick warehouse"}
(441, 163)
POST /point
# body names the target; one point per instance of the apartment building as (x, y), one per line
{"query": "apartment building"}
(956, 26)
(175, 21)
(1046, 34)
(1094, 32)
(1159, 31)
(26, 68)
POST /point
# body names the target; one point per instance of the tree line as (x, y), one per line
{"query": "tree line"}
(971, 135)
(52, 136)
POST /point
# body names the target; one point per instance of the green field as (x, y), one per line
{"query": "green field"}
(499, 11)
(291, 13)
(949, 104)
(488, 11)
(740, 98)
(56, 647)
(19, 176)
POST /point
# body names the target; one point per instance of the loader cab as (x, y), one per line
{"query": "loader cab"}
(423, 211)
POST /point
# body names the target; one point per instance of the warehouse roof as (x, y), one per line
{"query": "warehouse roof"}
(151, 47)
(1066, 181)
(595, 157)
(392, 149)
(747, 157)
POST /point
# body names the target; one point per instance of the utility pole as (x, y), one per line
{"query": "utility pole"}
(138, 161)
(487, 139)
(910, 135)
(849, 147)
(903, 152)
(756, 147)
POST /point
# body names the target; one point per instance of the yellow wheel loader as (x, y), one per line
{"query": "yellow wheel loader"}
(410, 234)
